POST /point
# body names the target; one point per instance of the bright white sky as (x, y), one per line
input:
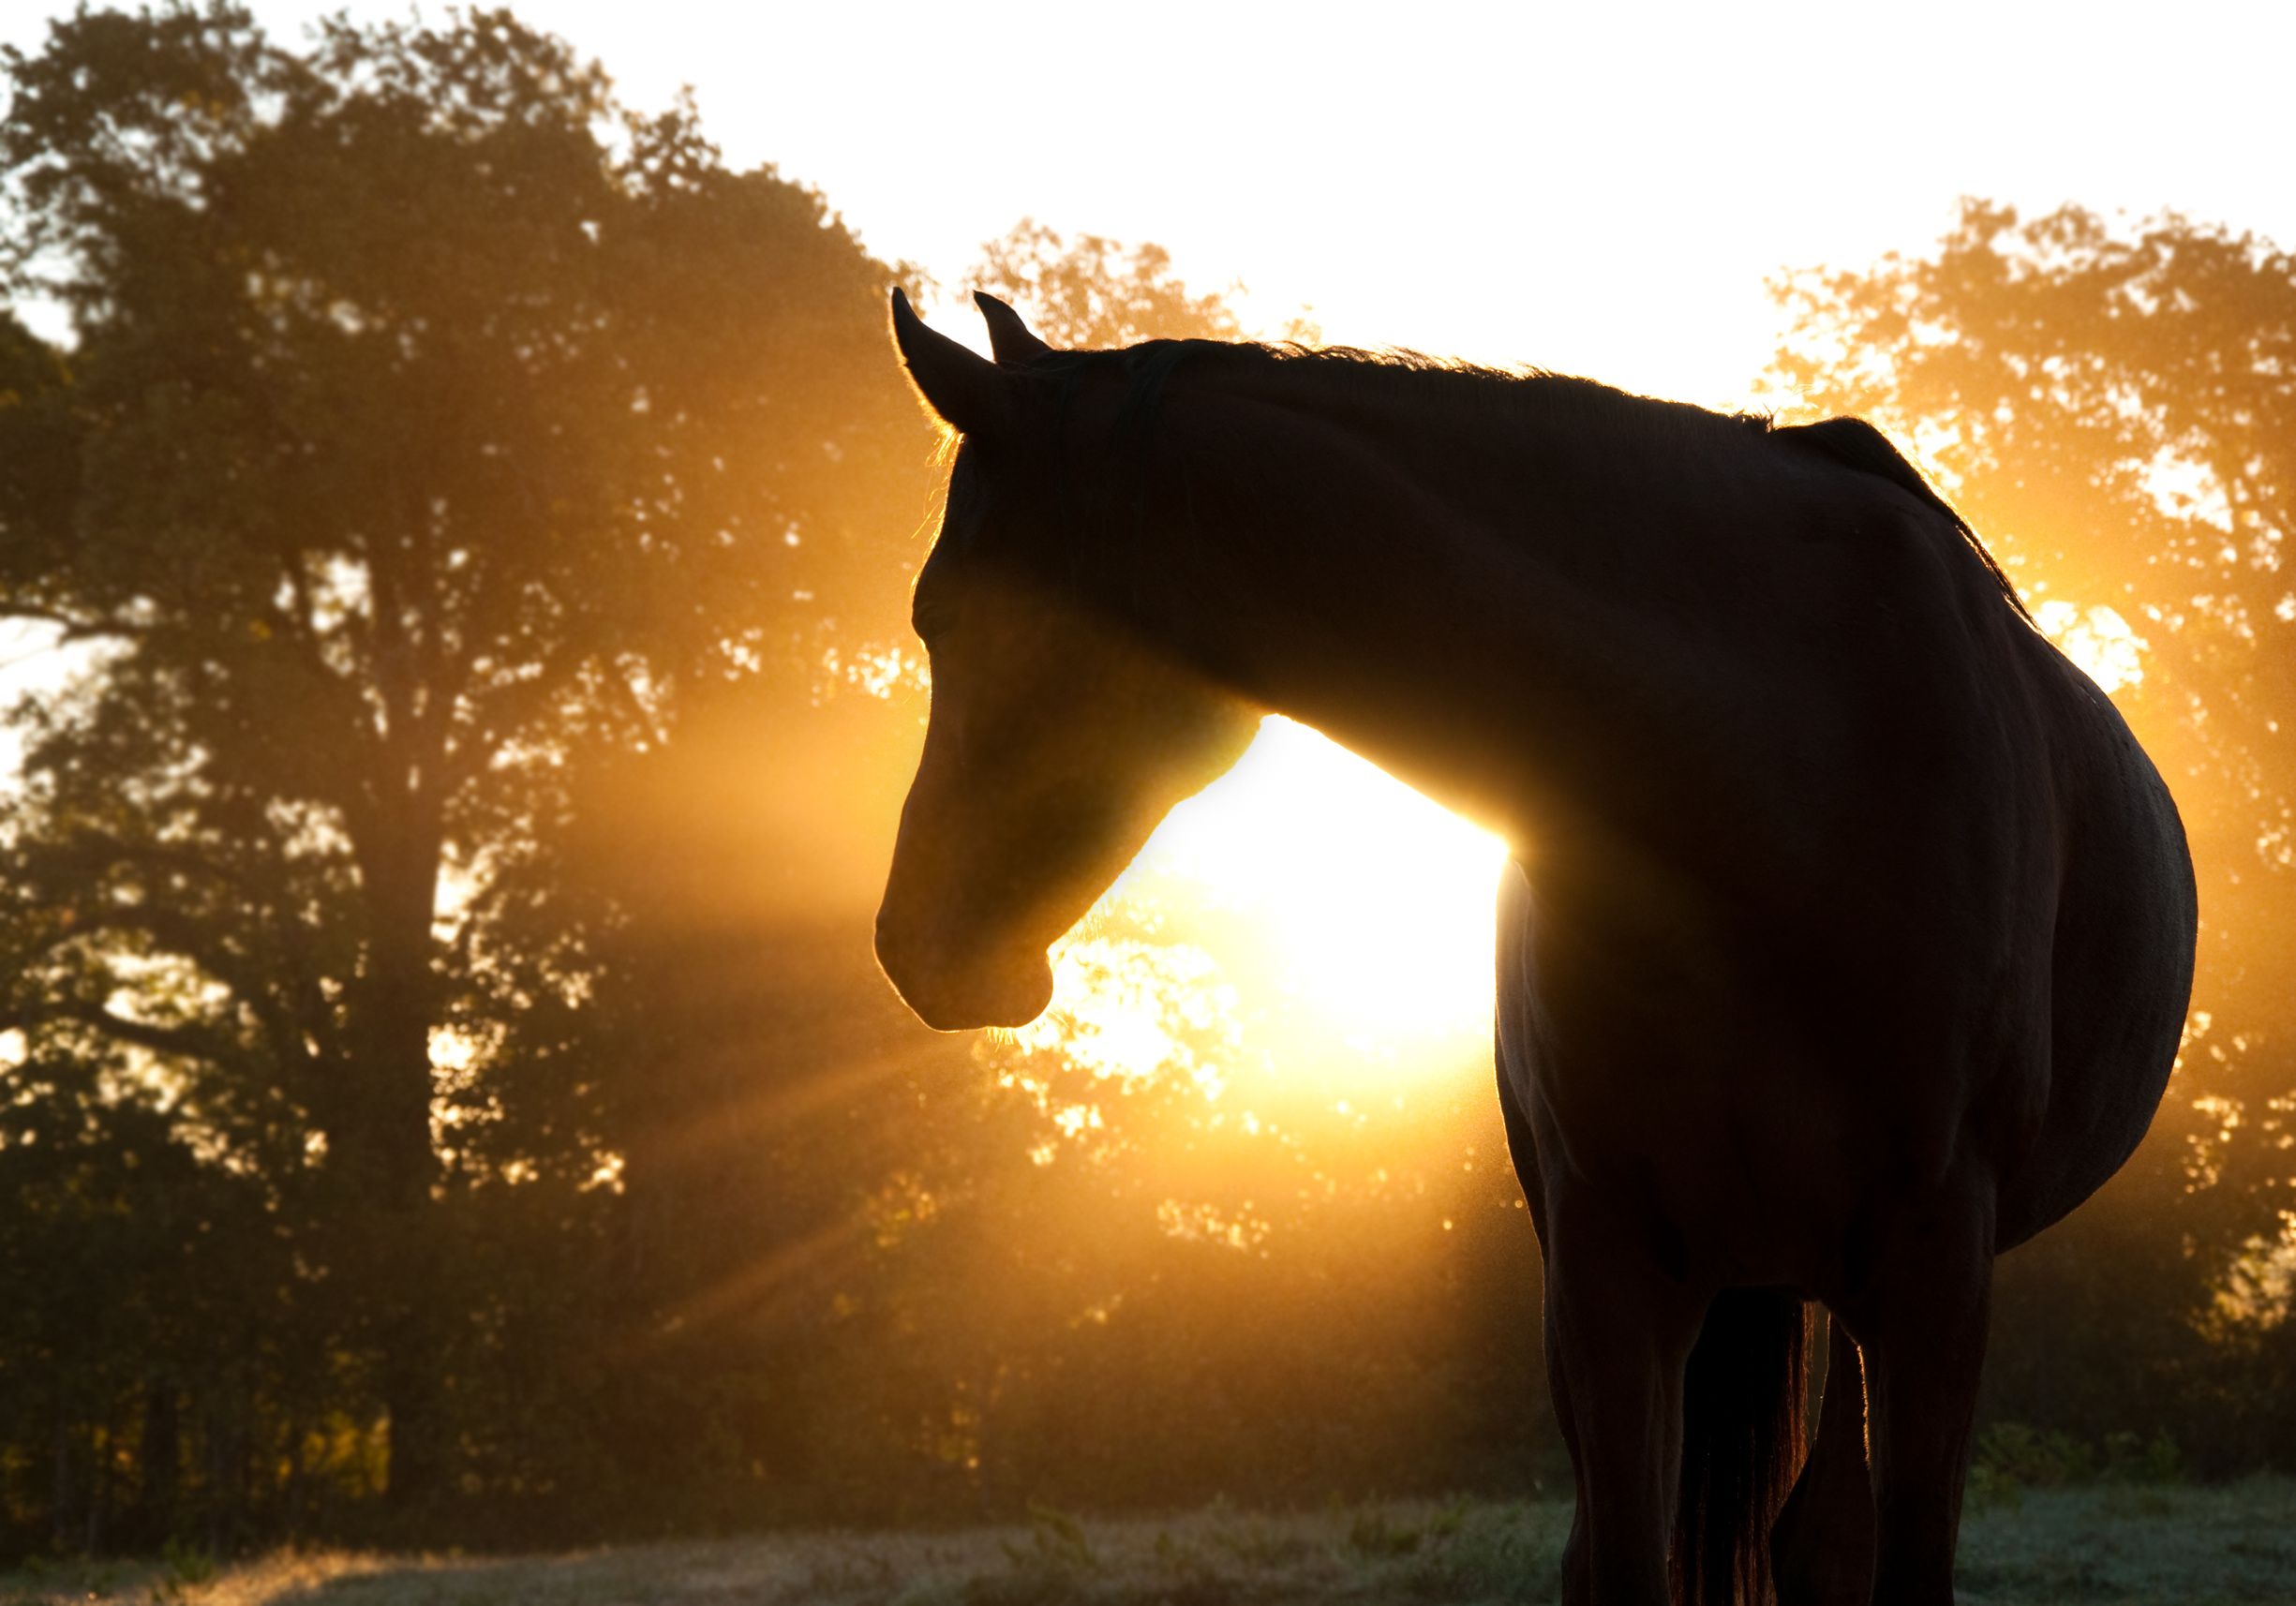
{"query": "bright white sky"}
(1596, 188)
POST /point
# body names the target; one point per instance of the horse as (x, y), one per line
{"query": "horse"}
(1847, 932)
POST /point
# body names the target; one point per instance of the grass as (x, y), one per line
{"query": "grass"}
(2128, 1545)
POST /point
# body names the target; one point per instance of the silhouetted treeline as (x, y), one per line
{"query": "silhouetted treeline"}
(445, 1090)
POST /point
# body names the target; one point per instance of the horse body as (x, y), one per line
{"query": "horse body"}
(1850, 932)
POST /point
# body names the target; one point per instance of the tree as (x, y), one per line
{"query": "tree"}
(2114, 406)
(1098, 292)
(426, 419)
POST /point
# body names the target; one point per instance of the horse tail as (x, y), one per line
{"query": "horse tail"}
(1742, 1443)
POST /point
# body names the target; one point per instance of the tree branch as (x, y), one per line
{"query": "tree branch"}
(74, 628)
(97, 849)
(177, 1042)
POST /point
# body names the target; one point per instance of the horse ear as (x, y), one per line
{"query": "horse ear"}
(1008, 337)
(959, 384)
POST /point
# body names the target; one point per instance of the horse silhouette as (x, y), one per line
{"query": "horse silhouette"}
(1848, 933)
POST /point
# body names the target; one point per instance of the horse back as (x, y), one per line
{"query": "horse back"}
(2121, 963)
(1986, 926)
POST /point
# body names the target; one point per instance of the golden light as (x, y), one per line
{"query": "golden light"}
(2097, 639)
(1127, 1008)
(1326, 900)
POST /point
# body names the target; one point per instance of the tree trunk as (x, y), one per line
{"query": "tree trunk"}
(390, 1165)
(298, 1478)
(158, 1464)
(415, 1448)
(62, 1496)
(99, 1487)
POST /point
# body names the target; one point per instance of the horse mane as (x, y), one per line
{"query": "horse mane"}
(1146, 368)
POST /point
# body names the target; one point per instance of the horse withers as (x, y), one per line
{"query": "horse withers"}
(1860, 934)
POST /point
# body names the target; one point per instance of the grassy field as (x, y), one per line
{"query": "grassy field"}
(2189, 1546)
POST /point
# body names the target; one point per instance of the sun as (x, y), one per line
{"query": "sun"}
(1341, 905)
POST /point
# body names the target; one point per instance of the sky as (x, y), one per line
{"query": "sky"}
(1599, 189)
(1595, 188)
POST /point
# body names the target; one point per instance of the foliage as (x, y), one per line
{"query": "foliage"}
(1095, 293)
(2011, 1457)
(1056, 1543)
(186, 1570)
(428, 421)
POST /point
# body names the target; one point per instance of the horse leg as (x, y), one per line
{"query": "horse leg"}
(1577, 1585)
(1619, 1333)
(1923, 1335)
(1522, 1147)
(1822, 1545)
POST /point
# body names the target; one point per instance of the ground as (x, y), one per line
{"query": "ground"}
(2129, 1545)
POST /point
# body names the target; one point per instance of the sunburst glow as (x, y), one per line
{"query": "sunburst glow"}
(1330, 897)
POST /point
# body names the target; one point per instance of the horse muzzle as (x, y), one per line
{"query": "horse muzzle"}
(950, 991)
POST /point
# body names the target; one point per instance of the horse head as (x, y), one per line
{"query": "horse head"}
(1059, 735)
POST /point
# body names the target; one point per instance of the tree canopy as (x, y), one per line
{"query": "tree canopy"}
(1089, 291)
(427, 418)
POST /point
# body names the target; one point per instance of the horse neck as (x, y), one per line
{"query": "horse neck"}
(1471, 597)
